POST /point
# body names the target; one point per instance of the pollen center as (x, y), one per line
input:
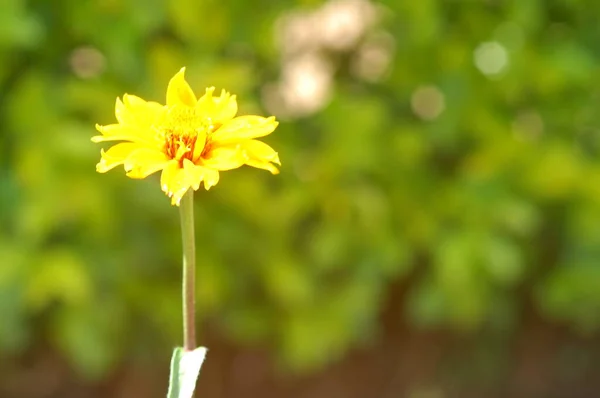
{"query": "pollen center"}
(184, 133)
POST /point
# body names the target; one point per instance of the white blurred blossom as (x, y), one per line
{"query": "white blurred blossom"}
(87, 62)
(304, 88)
(373, 58)
(428, 102)
(308, 40)
(491, 58)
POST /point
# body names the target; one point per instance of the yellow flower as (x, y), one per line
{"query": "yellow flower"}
(189, 139)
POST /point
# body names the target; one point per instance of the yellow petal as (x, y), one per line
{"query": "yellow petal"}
(217, 110)
(258, 150)
(199, 145)
(134, 111)
(260, 155)
(174, 181)
(144, 161)
(226, 157)
(115, 156)
(206, 104)
(225, 107)
(198, 174)
(263, 165)
(179, 91)
(120, 132)
(245, 127)
(168, 174)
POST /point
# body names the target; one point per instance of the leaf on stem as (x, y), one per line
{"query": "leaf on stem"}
(185, 367)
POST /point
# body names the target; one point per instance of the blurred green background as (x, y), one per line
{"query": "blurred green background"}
(434, 231)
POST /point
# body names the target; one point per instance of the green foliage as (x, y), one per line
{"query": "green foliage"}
(488, 202)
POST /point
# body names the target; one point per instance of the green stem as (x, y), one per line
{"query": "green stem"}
(186, 211)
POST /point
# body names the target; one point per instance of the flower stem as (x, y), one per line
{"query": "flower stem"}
(186, 212)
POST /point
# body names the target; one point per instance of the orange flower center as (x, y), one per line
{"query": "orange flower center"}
(181, 145)
(186, 134)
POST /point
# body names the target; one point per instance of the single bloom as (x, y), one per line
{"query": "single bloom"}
(191, 140)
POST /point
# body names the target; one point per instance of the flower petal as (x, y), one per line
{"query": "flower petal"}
(225, 157)
(174, 181)
(258, 150)
(179, 91)
(115, 156)
(244, 127)
(120, 132)
(145, 161)
(233, 155)
(217, 110)
(134, 111)
(261, 155)
(198, 174)
(168, 174)
(225, 107)
(263, 165)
